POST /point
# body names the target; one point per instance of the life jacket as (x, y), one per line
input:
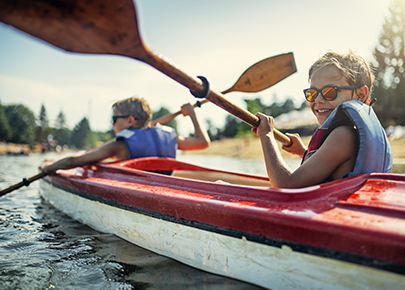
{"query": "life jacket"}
(160, 141)
(374, 150)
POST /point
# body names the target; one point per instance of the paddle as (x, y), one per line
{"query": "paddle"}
(105, 27)
(25, 182)
(259, 76)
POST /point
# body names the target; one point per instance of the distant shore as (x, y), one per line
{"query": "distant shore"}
(14, 149)
(250, 148)
(246, 148)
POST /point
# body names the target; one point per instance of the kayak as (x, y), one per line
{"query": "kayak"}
(346, 234)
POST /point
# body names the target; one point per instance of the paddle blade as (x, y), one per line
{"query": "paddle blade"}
(265, 73)
(97, 26)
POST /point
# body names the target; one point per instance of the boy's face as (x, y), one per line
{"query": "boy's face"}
(120, 123)
(328, 76)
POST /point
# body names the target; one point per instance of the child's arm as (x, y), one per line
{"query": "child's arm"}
(108, 149)
(334, 158)
(200, 140)
(297, 147)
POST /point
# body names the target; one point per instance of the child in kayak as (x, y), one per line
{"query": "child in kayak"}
(135, 138)
(350, 139)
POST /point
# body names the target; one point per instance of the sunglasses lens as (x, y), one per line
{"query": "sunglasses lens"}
(310, 95)
(329, 93)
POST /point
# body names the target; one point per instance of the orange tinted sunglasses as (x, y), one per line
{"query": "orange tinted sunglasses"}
(329, 93)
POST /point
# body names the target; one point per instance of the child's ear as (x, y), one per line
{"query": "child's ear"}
(131, 121)
(362, 93)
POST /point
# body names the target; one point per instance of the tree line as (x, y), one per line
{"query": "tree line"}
(235, 127)
(389, 64)
(19, 125)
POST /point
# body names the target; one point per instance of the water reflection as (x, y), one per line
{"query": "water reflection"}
(42, 248)
(253, 166)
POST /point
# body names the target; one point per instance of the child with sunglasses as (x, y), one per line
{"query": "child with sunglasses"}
(350, 139)
(136, 138)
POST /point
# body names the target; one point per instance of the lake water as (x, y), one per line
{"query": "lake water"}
(42, 248)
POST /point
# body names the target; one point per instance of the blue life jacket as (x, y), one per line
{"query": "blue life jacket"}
(374, 153)
(160, 141)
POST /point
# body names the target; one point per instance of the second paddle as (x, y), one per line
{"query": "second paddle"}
(259, 76)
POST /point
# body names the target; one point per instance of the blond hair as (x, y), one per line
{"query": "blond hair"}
(351, 65)
(136, 107)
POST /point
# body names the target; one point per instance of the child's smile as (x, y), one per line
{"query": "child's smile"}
(328, 76)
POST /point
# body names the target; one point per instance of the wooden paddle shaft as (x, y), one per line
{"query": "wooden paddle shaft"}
(196, 85)
(257, 77)
(169, 117)
(25, 182)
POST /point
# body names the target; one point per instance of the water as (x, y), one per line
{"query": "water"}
(252, 166)
(42, 248)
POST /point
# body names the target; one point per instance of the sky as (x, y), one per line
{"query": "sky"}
(218, 39)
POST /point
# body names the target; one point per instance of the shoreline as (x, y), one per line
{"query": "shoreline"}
(250, 148)
(243, 147)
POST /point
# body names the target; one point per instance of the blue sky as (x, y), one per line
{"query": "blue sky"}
(219, 39)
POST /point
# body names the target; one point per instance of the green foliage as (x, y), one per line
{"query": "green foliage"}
(82, 137)
(104, 136)
(162, 112)
(5, 129)
(62, 136)
(19, 125)
(42, 129)
(22, 124)
(60, 121)
(231, 127)
(212, 130)
(61, 133)
(237, 128)
(389, 62)
(254, 105)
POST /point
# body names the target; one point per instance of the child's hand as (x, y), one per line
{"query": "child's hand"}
(266, 125)
(297, 147)
(187, 109)
(44, 166)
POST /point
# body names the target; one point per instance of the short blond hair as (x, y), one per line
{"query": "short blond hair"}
(136, 107)
(351, 65)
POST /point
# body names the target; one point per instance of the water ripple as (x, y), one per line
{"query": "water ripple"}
(42, 248)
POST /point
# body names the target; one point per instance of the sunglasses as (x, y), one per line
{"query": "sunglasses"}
(115, 118)
(329, 93)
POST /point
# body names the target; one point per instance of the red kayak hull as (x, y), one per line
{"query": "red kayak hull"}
(359, 220)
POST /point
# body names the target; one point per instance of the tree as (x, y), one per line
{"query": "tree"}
(231, 126)
(43, 125)
(288, 106)
(162, 112)
(252, 106)
(60, 121)
(5, 129)
(276, 109)
(213, 132)
(389, 62)
(22, 124)
(63, 136)
(82, 136)
(255, 105)
(61, 133)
